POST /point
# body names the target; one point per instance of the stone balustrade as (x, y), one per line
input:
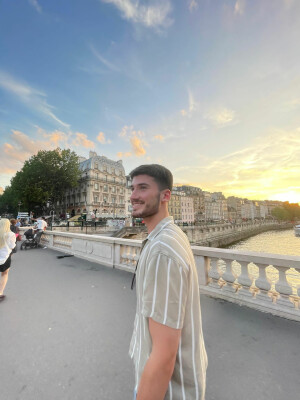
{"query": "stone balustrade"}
(267, 282)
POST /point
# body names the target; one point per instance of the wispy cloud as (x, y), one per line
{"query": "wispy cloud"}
(239, 7)
(192, 4)
(151, 16)
(159, 138)
(125, 154)
(101, 138)
(138, 146)
(31, 97)
(36, 5)
(105, 62)
(222, 117)
(81, 140)
(136, 140)
(191, 107)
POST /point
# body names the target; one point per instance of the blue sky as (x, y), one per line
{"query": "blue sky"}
(209, 88)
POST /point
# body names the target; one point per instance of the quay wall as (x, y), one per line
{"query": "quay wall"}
(226, 234)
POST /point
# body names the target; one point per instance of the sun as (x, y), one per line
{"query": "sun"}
(291, 196)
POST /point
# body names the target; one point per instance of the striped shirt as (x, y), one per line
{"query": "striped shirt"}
(168, 292)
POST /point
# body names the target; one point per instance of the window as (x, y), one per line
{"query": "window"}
(97, 176)
(113, 171)
(95, 199)
(96, 165)
(113, 189)
(105, 168)
(96, 186)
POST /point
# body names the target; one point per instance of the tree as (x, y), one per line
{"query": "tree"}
(281, 214)
(44, 178)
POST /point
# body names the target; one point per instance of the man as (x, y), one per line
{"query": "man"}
(41, 224)
(167, 343)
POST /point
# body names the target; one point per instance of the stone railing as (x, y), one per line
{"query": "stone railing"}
(267, 282)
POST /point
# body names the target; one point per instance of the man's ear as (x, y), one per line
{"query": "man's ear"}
(166, 195)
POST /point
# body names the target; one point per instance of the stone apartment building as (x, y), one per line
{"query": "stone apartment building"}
(101, 189)
(216, 208)
(197, 196)
(175, 206)
(187, 208)
(234, 208)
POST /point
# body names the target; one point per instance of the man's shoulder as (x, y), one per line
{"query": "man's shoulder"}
(173, 243)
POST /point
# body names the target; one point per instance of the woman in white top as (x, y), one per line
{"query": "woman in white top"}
(7, 243)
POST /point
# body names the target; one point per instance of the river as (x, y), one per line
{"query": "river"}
(278, 242)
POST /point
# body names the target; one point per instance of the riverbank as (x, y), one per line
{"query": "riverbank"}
(224, 235)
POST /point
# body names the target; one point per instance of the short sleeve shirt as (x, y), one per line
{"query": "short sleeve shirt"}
(168, 292)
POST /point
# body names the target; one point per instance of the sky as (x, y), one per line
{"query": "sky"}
(208, 88)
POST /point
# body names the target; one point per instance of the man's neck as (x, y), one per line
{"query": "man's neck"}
(154, 220)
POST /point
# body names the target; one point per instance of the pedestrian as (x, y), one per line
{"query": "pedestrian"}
(15, 229)
(41, 224)
(167, 344)
(7, 244)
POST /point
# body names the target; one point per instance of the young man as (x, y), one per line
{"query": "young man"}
(41, 224)
(167, 343)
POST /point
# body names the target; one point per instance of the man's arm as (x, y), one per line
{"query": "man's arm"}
(160, 365)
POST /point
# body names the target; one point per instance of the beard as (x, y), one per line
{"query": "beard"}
(149, 209)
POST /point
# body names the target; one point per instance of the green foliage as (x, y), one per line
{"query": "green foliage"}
(44, 177)
(288, 212)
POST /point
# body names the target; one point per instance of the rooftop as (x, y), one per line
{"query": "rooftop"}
(66, 326)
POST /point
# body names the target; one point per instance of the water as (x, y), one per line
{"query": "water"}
(278, 242)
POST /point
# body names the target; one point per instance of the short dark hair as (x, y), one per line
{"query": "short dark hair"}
(162, 176)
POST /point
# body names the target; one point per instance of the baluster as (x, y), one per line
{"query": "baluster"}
(284, 289)
(214, 274)
(298, 291)
(136, 256)
(244, 280)
(229, 278)
(262, 283)
(124, 255)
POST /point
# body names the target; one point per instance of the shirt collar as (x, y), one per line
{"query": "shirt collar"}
(159, 227)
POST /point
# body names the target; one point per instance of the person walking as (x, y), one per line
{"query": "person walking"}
(7, 244)
(167, 344)
(15, 229)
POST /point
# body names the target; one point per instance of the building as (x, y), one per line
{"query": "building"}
(175, 206)
(101, 189)
(234, 208)
(216, 208)
(187, 209)
(197, 196)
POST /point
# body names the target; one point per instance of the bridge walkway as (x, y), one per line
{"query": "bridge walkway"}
(66, 324)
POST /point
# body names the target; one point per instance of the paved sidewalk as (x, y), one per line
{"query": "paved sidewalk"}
(66, 324)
